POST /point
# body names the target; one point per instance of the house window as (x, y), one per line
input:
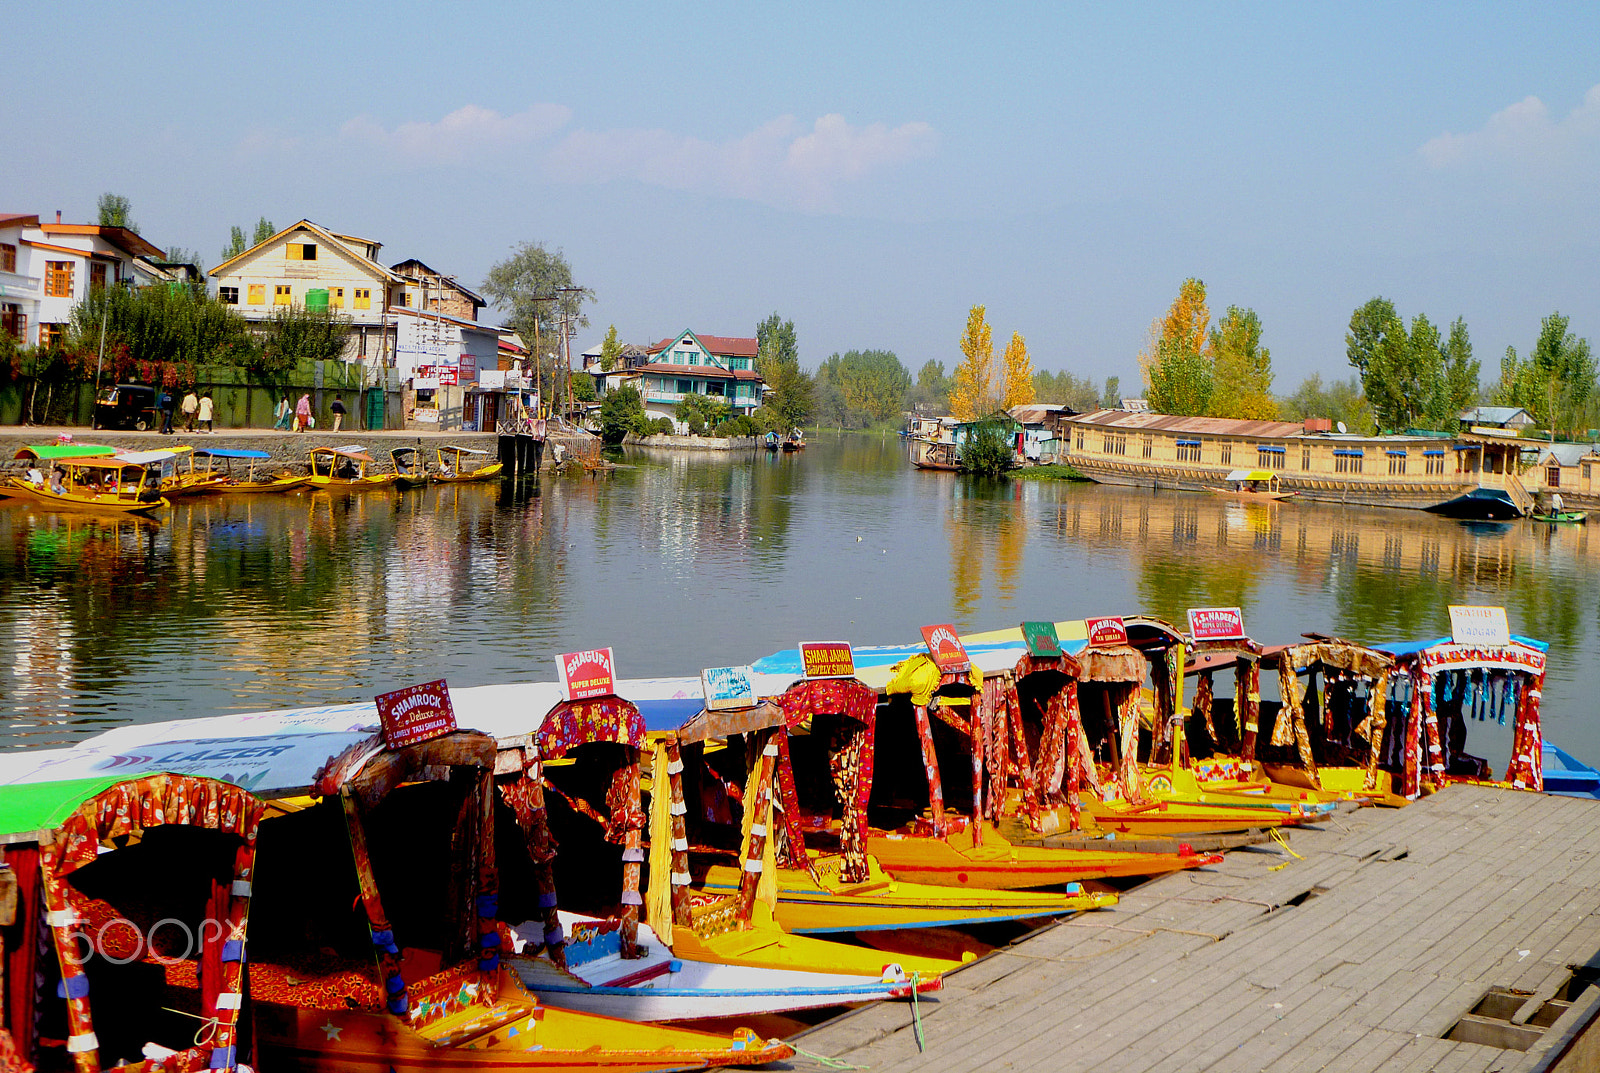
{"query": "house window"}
(97, 275)
(1397, 463)
(51, 335)
(1433, 463)
(1080, 439)
(1552, 476)
(1114, 443)
(282, 295)
(405, 298)
(336, 296)
(228, 296)
(258, 294)
(1585, 465)
(1268, 458)
(1347, 461)
(1226, 453)
(714, 387)
(1188, 450)
(58, 279)
(15, 324)
(301, 251)
(1148, 445)
(363, 297)
(686, 387)
(8, 257)
(1305, 459)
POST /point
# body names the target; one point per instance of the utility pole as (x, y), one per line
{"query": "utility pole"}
(566, 342)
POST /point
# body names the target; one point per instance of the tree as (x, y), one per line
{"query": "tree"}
(265, 229)
(1177, 368)
(776, 342)
(987, 451)
(1111, 397)
(871, 386)
(610, 350)
(1555, 382)
(788, 400)
(295, 334)
(1339, 401)
(1241, 368)
(932, 388)
(1067, 390)
(1461, 373)
(1018, 389)
(116, 211)
(534, 286)
(1402, 373)
(154, 332)
(974, 395)
(621, 412)
(236, 244)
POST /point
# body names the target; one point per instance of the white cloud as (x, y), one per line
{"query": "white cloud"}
(779, 163)
(457, 137)
(1524, 138)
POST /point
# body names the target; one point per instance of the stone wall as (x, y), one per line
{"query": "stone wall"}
(694, 443)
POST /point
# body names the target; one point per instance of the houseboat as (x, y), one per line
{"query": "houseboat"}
(1470, 476)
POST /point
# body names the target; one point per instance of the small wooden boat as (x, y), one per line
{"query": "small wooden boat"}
(931, 454)
(1568, 776)
(180, 476)
(771, 441)
(409, 468)
(1564, 517)
(346, 468)
(253, 480)
(102, 484)
(1258, 484)
(460, 465)
(795, 441)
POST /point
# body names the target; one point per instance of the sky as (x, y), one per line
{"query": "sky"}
(869, 171)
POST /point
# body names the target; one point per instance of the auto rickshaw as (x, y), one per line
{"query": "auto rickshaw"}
(127, 406)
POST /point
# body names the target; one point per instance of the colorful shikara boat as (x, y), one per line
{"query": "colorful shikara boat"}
(102, 484)
(180, 476)
(1257, 484)
(347, 468)
(1440, 687)
(460, 465)
(718, 956)
(227, 461)
(815, 890)
(410, 471)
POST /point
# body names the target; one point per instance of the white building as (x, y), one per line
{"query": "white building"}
(47, 268)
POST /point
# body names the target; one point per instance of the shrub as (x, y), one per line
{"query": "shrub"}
(735, 426)
(987, 451)
(661, 426)
(621, 412)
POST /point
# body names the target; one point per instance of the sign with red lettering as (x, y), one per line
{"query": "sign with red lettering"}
(948, 653)
(416, 713)
(1103, 632)
(1216, 623)
(828, 659)
(586, 675)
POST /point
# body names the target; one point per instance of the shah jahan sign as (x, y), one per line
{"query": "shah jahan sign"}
(416, 714)
(827, 659)
(586, 675)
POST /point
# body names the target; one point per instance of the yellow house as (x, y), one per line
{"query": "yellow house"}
(308, 265)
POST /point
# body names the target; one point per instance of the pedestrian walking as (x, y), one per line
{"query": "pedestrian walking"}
(206, 407)
(302, 413)
(284, 412)
(166, 402)
(338, 411)
(191, 406)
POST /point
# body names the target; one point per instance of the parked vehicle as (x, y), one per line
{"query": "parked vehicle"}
(127, 406)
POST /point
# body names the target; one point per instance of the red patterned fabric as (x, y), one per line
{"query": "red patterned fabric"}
(129, 807)
(792, 847)
(574, 723)
(850, 756)
(11, 1059)
(828, 696)
(525, 795)
(1526, 767)
(22, 955)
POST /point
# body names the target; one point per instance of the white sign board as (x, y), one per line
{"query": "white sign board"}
(492, 379)
(1479, 625)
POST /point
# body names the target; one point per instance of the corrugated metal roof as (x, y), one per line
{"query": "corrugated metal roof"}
(1204, 426)
(1567, 454)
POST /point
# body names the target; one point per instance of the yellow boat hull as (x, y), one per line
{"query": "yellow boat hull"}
(43, 497)
(1339, 784)
(354, 484)
(885, 902)
(765, 945)
(486, 473)
(1002, 865)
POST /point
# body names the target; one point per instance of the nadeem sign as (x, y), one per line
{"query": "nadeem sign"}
(416, 713)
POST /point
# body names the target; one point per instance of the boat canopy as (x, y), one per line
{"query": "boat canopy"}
(581, 722)
(355, 454)
(109, 462)
(146, 458)
(1250, 475)
(31, 810)
(52, 451)
(229, 452)
(463, 450)
(1401, 649)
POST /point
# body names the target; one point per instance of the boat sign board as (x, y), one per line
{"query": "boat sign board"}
(948, 653)
(1479, 625)
(827, 659)
(727, 687)
(416, 714)
(586, 675)
(1103, 632)
(1042, 640)
(1216, 623)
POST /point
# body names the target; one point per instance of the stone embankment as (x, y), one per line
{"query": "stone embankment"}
(287, 448)
(694, 443)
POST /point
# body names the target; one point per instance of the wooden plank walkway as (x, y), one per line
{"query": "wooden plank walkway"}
(1359, 954)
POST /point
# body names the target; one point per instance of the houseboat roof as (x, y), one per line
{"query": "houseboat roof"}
(1213, 426)
(1495, 415)
(1035, 413)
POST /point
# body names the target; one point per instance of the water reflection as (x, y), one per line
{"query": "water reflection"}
(693, 560)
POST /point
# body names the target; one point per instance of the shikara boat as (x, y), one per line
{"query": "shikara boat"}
(180, 475)
(100, 484)
(1568, 776)
(719, 956)
(1564, 517)
(795, 440)
(254, 478)
(346, 467)
(1439, 688)
(930, 454)
(818, 891)
(771, 441)
(1258, 484)
(410, 471)
(459, 465)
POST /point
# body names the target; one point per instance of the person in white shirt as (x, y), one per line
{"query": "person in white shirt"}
(206, 406)
(35, 478)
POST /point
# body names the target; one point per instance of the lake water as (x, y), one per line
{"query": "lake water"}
(690, 560)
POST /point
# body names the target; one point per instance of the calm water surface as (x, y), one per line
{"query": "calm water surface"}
(688, 561)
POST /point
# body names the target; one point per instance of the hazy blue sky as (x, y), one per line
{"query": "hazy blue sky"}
(868, 170)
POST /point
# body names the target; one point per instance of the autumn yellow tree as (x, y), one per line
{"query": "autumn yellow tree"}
(1019, 373)
(1177, 360)
(974, 394)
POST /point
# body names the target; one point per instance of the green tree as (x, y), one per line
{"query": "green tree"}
(1068, 390)
(933, 386)
(1340, 401)
(1461, 374)
(1402, 373)
(1111, 397)
(236, 244)
(1177, 368)
(788, 400)
(295, 334)
(534, 286)
(987, 451)
(157, 333)
(776, 342)
(1241, 368)
(116, 211)
(610, 350)
(1556, 381)
(621, 412)
(265, 229)
(871, 385)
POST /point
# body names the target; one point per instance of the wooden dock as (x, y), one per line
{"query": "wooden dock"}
(1362, 951)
